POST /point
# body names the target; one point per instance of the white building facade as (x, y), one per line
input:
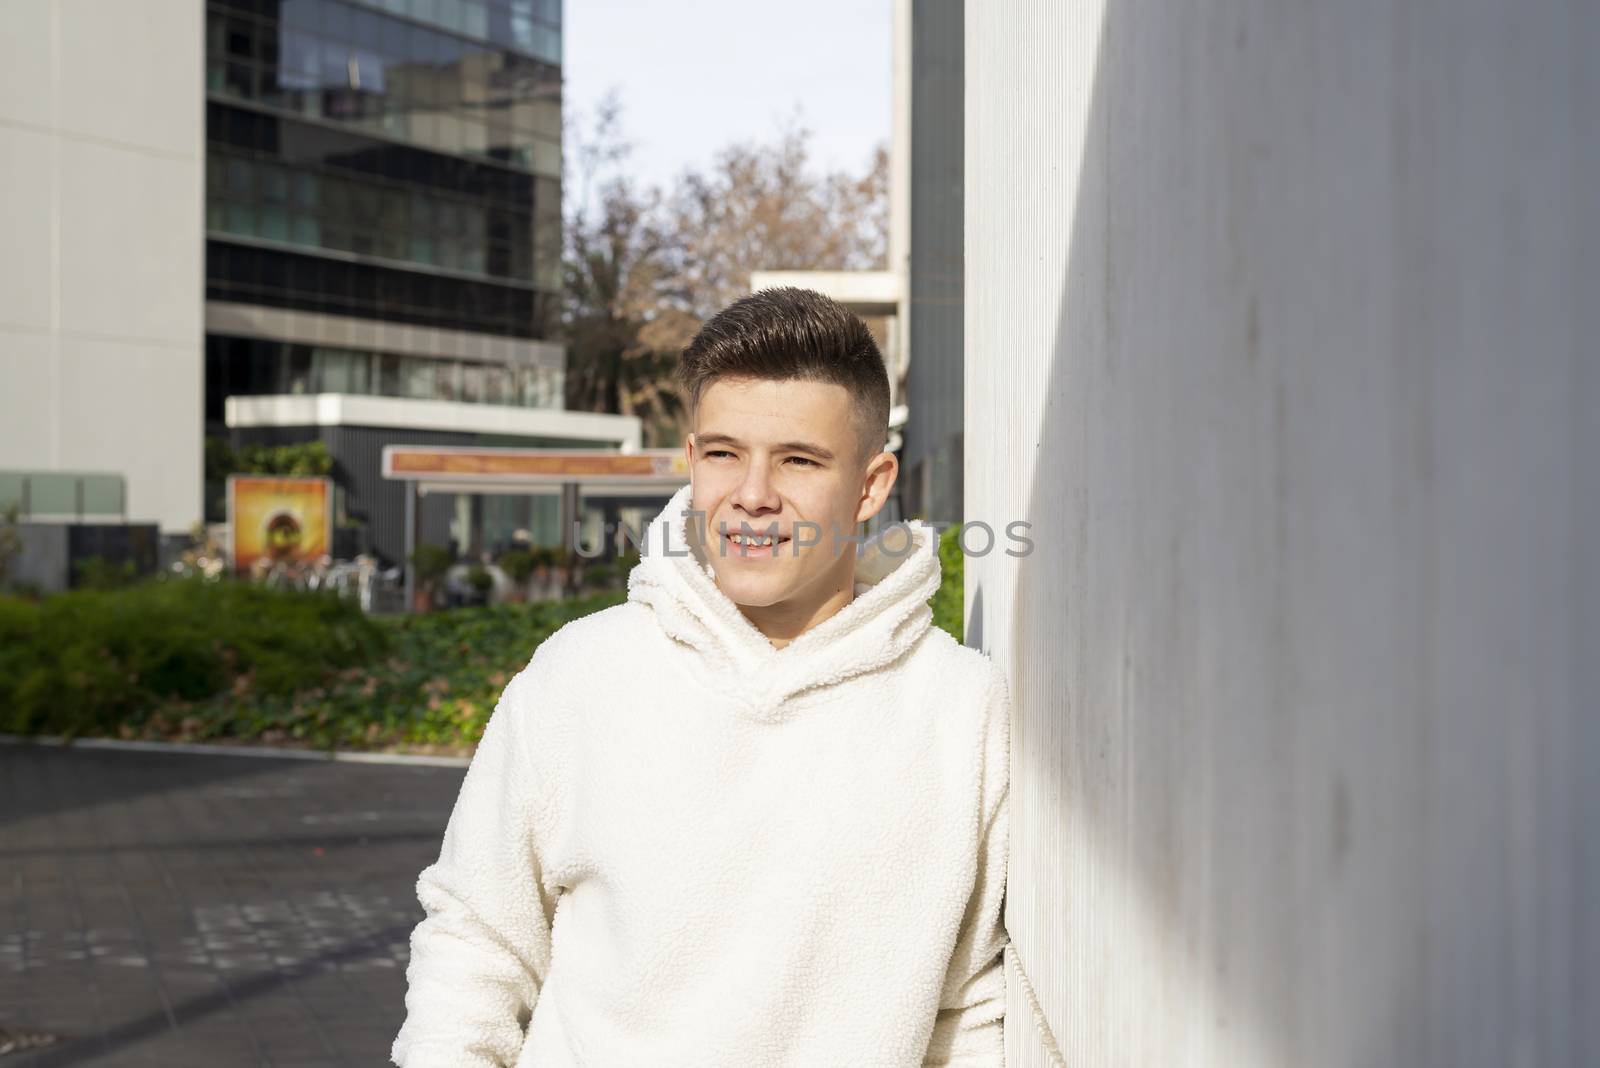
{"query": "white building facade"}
(102, 152)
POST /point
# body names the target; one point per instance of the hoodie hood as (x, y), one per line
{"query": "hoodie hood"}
(893, 583)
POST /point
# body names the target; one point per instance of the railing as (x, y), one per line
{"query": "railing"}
(375, 589)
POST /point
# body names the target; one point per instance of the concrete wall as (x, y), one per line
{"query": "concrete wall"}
(1281, 330)
(101, 283)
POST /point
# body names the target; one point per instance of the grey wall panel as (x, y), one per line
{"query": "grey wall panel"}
(44, 557)
(931, 456)
(359, 453)
(1297, 308)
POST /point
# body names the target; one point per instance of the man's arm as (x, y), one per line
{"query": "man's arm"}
(969, 1030)
(480, 957)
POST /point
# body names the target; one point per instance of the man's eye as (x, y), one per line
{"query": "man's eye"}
(794, 459)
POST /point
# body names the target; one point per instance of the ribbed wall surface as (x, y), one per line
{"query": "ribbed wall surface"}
(1280, 330)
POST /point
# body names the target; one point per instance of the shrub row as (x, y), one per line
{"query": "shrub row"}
(433, 691)
(91, 660)
(185, 659)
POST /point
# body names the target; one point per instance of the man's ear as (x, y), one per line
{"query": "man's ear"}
(882, 470)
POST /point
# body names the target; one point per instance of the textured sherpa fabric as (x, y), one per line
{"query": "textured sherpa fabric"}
(678, 845)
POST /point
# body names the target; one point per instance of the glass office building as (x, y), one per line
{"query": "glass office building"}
(383, 212)
(396, 160)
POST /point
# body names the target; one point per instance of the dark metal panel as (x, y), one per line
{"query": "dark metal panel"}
(934, 391)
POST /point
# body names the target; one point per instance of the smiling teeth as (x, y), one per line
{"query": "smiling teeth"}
(740, 539)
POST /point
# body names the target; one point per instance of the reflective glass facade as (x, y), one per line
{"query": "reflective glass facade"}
(396, 160)
(471, 78)
(238, 366)
(279, 279)
(328, 205)
(391, 160)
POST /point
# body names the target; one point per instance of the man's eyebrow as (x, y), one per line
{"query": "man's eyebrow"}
(782, 446)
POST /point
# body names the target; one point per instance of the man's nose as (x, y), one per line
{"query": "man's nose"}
(756, 493)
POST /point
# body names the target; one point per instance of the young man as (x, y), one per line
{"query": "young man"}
(757, 814)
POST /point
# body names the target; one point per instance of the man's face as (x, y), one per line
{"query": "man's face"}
(779, 457)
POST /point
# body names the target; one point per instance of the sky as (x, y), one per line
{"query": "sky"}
(693, 76)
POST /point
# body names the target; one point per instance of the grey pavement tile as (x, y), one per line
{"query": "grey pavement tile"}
(175, 909)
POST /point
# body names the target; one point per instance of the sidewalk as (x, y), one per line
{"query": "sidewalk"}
(175, 909)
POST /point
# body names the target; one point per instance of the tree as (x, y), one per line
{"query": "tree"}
(761, 206)
(622, 341)
(643, 269)
(222, 460)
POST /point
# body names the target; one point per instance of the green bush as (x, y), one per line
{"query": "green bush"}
(599, 576)
(431, 563)
(98, 573)
(184, 659)
(946, 602)
(518, 566)
(263, 665)
(610, 573)
(95, 660)
(435, 690)
(299, 458)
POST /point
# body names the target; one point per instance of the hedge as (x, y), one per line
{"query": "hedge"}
(91, 660)
(231, 661)
(189, 660)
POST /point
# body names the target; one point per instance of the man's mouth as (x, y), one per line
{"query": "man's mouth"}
(755, 544)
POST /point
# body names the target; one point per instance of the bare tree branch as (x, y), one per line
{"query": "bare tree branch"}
(643, 269)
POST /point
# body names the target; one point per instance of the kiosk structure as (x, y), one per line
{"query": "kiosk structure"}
(638, 479)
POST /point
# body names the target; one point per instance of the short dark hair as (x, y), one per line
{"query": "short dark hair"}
(787, 333)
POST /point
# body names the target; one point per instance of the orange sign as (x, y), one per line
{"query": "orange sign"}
(494, 465)
(279, 518)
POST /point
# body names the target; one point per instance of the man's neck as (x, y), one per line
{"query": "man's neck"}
(785, 621)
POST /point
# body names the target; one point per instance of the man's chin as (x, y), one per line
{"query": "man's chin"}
(751, 591)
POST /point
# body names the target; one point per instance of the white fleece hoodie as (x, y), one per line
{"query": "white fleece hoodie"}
(678, 845)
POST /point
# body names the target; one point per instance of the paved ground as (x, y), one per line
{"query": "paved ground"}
(176, 910)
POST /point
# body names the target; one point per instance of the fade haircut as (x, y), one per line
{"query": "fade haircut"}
(783, 334)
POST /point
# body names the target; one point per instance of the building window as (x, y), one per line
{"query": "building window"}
(278, 276)
(426, 79)
(368, 216)
(252, 367)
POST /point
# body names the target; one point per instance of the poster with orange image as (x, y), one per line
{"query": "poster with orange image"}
(279, 518)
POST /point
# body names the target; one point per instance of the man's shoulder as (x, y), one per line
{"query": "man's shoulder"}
(579, 645)
(957, 664)
(604, 625)
(564, 667)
